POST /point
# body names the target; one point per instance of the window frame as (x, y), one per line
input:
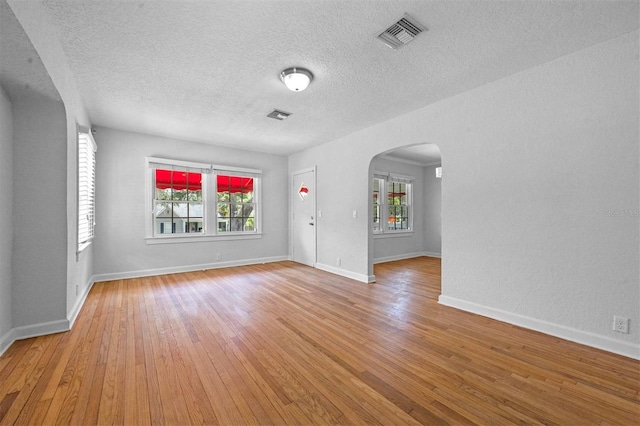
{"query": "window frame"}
(209, 201)
(86, 188)
(384, 178)
(173, 202)
(239, 172)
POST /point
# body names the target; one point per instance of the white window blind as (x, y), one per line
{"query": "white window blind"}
(86, 189)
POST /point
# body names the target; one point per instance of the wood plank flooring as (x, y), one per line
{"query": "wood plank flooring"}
(283, 343)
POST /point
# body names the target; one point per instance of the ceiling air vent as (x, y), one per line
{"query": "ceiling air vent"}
(401, 33)
(278, 115)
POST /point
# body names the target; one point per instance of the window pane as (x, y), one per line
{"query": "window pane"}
(249, 225)
(176, 218)
(195, 195)
(235, 203)
(178, 184)
(236, 210)
(180, 194)
(185, 216)
(376, 218)
(195, 210)
(86, 189)
(377, 203)
(223, 225)
(163, 194)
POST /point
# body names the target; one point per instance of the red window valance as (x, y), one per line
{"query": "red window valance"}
(235, 184)
(179, 180)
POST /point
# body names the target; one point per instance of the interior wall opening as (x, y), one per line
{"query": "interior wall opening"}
(406, 204)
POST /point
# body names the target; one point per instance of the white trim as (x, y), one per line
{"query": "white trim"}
(209, 205)
(627, 349)
(188, 268)
(34, 330)
(407, 161)
(152, 162)
(77, 307)
(405, 256)
(201, 238)
(236, 171)
(383, 201)
(85, 188)
(394, 177)
(314, 202)
(6, 341)
(344, 273)
(432, 254)
(393, 234)
(51, 327)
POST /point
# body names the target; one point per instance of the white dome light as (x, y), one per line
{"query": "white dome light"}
(296, 79)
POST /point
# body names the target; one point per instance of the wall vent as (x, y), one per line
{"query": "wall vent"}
(402, 32)
(278, 115)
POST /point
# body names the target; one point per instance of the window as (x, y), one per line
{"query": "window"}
(86, 188)
(236, 203)
(378, 194)
(178, 203)
(196, 201)
(398, 205)
(392, 208)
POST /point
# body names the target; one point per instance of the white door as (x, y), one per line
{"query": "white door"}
(303, 207)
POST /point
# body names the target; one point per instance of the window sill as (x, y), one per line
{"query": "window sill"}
(393, 234)
(82, 247)
(201, 238)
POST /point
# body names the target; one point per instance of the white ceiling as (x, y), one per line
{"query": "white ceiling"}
(21, 69)
(423, 155)
(208, 70)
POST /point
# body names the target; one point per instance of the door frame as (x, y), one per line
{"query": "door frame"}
(313, 200)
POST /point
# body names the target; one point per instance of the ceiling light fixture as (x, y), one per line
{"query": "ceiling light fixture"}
(296, 79)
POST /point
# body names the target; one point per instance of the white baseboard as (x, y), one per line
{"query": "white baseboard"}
(73, 315)
(188, 268)
(432, 254)
(25, 332)
(590, 339)
(6, 340)
(34, 330)
(405, 256)
(348, 274)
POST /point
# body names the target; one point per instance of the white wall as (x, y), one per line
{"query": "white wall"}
(45, 39)
(39, 210)
(6, 216)
(533, 164)
(432, 212)
(120, 247)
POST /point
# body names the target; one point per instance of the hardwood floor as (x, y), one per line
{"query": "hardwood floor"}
(283, 343)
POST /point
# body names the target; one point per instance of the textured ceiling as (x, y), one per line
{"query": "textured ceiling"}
(208, 70)
(21, 69)
(425, 155)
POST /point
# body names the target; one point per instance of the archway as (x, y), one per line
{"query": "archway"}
(406, 204)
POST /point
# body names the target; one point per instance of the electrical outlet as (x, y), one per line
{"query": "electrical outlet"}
(77, 289)
(338, 261)
(218, 256)
(621, 324)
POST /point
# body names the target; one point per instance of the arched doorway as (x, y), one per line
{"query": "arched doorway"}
(406, 204)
